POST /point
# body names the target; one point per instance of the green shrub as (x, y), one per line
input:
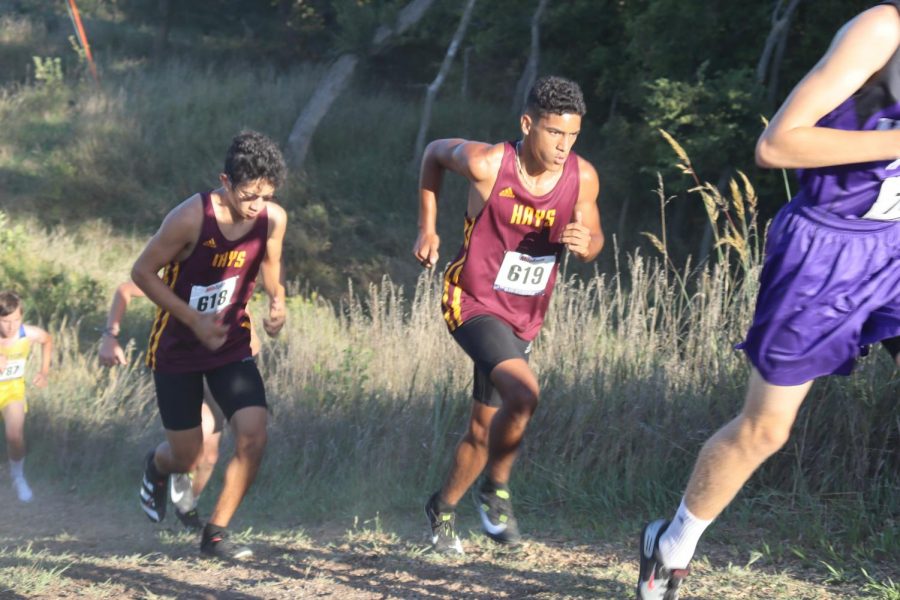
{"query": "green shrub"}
(50, 293)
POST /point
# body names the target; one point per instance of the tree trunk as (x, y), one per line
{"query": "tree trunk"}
(411, 14)
(767, 68)
(331, 86)
(775, 68)
(464, 84)
(161, 43)
(336, 80)
(529, 73)
(435, 85)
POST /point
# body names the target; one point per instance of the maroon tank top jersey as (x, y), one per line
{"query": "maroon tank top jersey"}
(217, 278)
(510, 255)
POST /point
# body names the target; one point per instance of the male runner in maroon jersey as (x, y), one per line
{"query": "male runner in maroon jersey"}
(527, 201)
(212, 246)
(184, 488)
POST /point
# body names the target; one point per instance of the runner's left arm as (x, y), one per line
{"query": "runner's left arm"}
(39, 336)
(584, 236)
(860, 50)
(272, 272)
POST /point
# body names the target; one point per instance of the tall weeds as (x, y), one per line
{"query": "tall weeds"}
(637, 369)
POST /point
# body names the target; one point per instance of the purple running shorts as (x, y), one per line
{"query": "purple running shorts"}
(829, 287)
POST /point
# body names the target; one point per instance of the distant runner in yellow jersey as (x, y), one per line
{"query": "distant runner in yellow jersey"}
(16, 339)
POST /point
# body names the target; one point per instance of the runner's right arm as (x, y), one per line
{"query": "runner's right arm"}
(859, 50)
(175, 238)
(40, 336)
(111, 352)
(476, 161)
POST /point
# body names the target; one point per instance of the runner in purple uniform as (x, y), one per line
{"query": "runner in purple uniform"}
(829, 284)
(211, 248)
(527, 202)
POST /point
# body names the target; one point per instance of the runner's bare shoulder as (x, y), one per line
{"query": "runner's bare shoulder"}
(277, 217)
(185, 220)
(482, 159)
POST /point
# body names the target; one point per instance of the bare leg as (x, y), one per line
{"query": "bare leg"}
(14, 422)
(210, 453)
(471, 454)
(733, 453)
(518, 387)
(249, 427)
(181, 452)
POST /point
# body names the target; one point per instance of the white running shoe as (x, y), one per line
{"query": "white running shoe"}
(22, 489)
(181, 491)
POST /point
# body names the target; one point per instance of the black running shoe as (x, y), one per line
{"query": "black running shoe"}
(189, 519)
(217, 545)
(153, 491)
(443, 529)
(495, 510)
(656, 581)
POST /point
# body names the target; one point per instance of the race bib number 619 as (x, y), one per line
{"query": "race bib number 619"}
(524, 275)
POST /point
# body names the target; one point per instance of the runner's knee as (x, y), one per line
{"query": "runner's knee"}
(15, 431)
(762, 437)
(251, 445)
(15, 438)
(521, 400)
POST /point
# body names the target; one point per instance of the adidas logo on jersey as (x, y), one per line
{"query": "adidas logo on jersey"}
(210, 243)
(506, 193)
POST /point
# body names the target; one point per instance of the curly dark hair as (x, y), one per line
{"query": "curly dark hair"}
(556, 95)
(254, 156)
(9, 302)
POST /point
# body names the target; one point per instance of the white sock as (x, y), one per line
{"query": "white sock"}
(17, 468)
(678, 543)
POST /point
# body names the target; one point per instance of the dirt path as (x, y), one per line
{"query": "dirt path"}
(56, 549)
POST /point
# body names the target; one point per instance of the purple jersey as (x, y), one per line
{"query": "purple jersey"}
(507, 265)
(217, 278)
(829, 284)
(863, 190)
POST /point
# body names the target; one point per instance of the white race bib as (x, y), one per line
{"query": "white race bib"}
(524, 275)
(14, 369)
(887, 206)
(211, 299)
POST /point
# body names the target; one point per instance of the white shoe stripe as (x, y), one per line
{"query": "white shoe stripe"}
(151, 513)
(488, 526)
(650, 537)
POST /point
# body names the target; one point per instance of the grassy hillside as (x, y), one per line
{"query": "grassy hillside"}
(151, 135)
(368, 393)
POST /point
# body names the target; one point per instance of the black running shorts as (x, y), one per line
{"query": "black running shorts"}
(489, 341)
(233, 386)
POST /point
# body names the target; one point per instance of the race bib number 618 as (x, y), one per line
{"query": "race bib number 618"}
(212, 299)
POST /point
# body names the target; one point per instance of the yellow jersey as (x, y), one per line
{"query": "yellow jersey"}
(12, 376)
